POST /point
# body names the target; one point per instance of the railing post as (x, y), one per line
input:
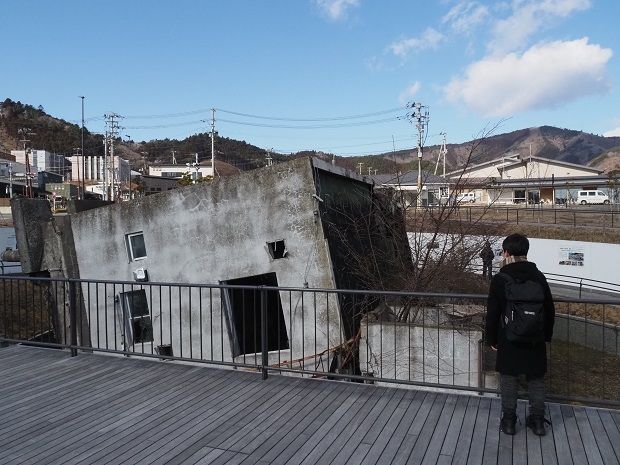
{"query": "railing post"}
(517, 215)
(263, 333)
(580, 286)
(73, 317)
(574, 219)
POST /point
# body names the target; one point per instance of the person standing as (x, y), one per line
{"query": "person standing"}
(487, 256)
(520, 354)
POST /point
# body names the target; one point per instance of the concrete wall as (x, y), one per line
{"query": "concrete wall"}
(207, 234)
(600, 260)
(425, 354)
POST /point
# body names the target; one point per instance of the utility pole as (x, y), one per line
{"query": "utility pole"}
(269, 159)
(25, 133)
(174, 158)
(213, 143)
(442, 152)
(418, 114)
(82, 152)
(112, 132)
(359, 165)
(76, 154)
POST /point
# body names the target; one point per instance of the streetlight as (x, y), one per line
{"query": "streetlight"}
(82, 152)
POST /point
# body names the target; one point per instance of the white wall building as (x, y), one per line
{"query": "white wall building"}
(95, 168)
(42, 160)
(177, 171)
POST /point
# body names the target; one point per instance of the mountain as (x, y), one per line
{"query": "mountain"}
(59, 136)
(546, 141)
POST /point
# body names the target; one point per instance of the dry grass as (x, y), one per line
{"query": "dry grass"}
(609, 314)
(575, 370)
(24, 309)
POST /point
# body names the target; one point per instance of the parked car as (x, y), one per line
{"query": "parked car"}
(592, 197)
(465, 197)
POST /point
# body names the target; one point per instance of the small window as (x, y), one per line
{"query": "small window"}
(136, 246)
(277, 249)
(591, 194)
(136, 312)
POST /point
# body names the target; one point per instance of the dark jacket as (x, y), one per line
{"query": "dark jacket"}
(517, 358)
(487, 254)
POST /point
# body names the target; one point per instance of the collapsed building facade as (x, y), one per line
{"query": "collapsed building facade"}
(297, 225)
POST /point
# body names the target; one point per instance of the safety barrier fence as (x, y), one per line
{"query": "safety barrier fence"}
(434, 340)
(587, 216)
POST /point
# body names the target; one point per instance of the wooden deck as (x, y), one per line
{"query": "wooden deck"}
(55, 409)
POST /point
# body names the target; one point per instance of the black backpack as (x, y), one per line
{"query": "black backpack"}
(523, 317)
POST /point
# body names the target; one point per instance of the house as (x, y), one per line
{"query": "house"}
(435, 189)
(291, 225)
(518, 179)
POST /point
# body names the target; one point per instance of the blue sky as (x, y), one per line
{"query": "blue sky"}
(164, 64)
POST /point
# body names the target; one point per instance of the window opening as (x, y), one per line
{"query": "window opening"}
(137, 317)
(277, 249)
(243, 315)
(136, 246)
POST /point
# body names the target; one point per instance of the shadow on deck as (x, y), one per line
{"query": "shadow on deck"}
(56, 409)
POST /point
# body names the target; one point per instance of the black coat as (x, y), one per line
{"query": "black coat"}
(514, 358)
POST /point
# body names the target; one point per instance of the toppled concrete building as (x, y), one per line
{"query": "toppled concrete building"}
(301, 224)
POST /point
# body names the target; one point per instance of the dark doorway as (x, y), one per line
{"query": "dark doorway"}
(243, 315)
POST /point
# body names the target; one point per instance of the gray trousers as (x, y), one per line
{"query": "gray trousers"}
(535, 394)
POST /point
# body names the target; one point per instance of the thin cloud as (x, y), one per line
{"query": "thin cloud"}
(545, 76)
(410, 92)
(465, 16)
(428, 40)
(336, 9)
(528, 17)
(613, 133)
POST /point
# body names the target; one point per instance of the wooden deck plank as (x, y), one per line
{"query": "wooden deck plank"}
(283, 441)
(603, 442)
(423, 439)
(131, 426)
(559, 435)
(587, 437)
(612, 430)
(119, 419)
(388, 433)
(519, 440)
(236, 437)
(398, 436)
(454, 429)
(478, 442)
(204, 415)
(408, 442)
(97, 408)
(464, 442)
(439, 434)
(572, 432)
(363, 424)
(547, 444)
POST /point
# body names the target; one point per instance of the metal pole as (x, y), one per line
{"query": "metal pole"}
(73, 317)
(263, 333)
(213, 143)
(82, 153)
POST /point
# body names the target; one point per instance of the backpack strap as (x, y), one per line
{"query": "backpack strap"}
(506, 276)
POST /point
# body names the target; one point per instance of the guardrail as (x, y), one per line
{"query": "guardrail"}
(410, 339)
(538, 214)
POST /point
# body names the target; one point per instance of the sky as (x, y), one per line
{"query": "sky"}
(325, 75)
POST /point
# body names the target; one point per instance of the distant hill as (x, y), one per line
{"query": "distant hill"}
(546, 141)
(59, 136)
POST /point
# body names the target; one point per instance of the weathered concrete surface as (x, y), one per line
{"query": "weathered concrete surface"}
(29, 216)
(209, 234)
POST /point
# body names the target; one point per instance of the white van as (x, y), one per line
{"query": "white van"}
(592, 197)
(465, 197)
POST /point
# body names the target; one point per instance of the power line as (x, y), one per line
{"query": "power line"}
(335, 118)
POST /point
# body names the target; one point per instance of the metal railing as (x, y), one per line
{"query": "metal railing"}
(410, 339)
(601, 217)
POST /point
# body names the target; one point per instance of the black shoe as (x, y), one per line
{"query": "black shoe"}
(508, 423)
(537, 424)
